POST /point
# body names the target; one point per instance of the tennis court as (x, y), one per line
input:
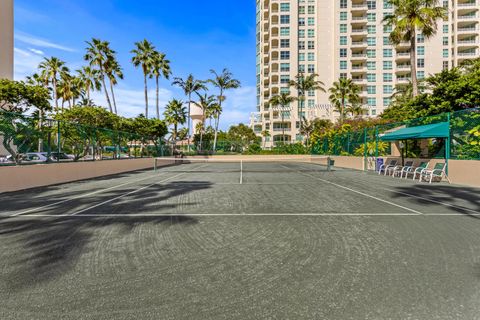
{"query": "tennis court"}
(270, 239)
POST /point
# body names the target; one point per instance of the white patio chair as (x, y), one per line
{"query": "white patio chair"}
(399, 170)
(387, 167)
(439, 171)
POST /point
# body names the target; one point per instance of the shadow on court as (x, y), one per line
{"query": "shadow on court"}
(39, 250)
(463, 200)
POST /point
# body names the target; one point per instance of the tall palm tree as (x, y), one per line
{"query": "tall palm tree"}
(303, 84)
(160, 67)
(342, 92)
(283, 100)
(143, 57)
(39, 80)
(175, 113)
(205, 102)
(97, 55)
(410, 17)
(223, 81)
(65, 89)
(355, 109)
(265, 134)
(113, 72)
(189, 87)
(90, 79)
(51, 69)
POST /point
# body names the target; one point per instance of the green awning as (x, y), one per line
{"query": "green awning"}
(437, 130)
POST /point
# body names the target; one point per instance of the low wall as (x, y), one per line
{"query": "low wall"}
(13, 178)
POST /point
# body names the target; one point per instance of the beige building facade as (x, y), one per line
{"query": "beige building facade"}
(6, 39)
(346, 38)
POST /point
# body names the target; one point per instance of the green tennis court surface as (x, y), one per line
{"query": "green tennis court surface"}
(241, 240)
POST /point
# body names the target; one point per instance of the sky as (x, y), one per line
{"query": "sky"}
(195, 35)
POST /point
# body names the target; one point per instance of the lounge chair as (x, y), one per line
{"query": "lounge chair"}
(416, 170)
(439, 171)
(399, 170)
(387, 167)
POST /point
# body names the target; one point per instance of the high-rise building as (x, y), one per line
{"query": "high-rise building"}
(6, 39)
(346, 38)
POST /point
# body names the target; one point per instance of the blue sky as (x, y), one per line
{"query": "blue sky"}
(196, 36)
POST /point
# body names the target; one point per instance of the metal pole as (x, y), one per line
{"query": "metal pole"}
(448, 144)
(365, 150)
(59, 147)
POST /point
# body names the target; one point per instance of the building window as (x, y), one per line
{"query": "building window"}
(445, 65)
(371, 53)
(301, 33)
(387, 29)
(284, 79)
(343, 40)
(387, 53)
(311, 45)
(311, 56)
(387, 65)
(420, 75)
(285, 67)
(386, 102)
(372, 102)
(421, 63)
(311, 68)
(371, 77)
(301, 57)
(387, 77)
(285, 31)
(387, 4)
(371, 29)
(445, 28)
(371, 89)
(343, 65)
(301, 45)
(311, 33)
(311, 93)
(421, 51)
(284, 19)
(285, 90)
(373, 112)
(343, 53)
(386, 41)
(284, 7)
(445, 53)
(343, 28)
(284, 43)
(343, 75)
(343, 16)
(301, 9)
(420, 38)
(301, 22)
(284, 55)
(343, 4)
(301, 68)
(371, 17)
(371, 65)
(445, 41)
(371, 41)
(371, 4)
(311, 103)
(387, 89)
(311, 9)
(311, 21)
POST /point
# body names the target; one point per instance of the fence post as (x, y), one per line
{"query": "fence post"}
(365, 150)
(59, 143)
(376, 143)
(448, 143)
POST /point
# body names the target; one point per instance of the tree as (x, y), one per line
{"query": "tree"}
(98, 55)
(52, 68)
(114, 72)
(189, 86)
(343, 92)
(410, 17)
(143, 57)
(307, 129)
(283, 100)
(222, 82)
(242, 135)
(303, 84)
(175, 114)
(160, 67)
(205, 102)
(89, 79)
(265, 134)
(356, 110)
(16, 98)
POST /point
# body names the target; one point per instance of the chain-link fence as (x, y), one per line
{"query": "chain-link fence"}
(28, 140)
(464, 139)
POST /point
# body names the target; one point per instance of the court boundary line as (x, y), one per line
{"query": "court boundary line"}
(131, 192)
(244, 214)
(80, 196)
(358, 192)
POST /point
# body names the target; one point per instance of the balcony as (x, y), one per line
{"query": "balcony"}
(472, 4)
(359, 19)
(467, 53)
(359, 81)
(403, 67)
(359, 44)
(359, 7)
(467, 43)
(282, 129)
(467, 17)
(404, 80)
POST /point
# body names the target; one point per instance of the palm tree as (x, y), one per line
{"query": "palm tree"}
(98, 55)
(143, 57)
(265, 134)
(65, 89)
(355, 109)
(39, 80)
(175, 113)
(304, 84)
(205, 102)
(113, 72)
(410, 17)
(160, 67)
(223, 82)
(90, 80)
(307, 128)
(189, 86)
(342, 92)
(283, 100)
(52, 68)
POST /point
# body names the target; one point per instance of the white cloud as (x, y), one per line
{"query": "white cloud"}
(25, 63)
(131, 102)
(39, 42)
(238, 106)
(36, 51)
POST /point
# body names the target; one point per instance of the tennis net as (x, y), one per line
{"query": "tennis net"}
(245, 164)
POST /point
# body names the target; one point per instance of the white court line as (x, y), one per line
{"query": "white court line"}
(358, 192)
(132, 192)
(79, 197)
(113, 215)
(241, 171)
(435, 201)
